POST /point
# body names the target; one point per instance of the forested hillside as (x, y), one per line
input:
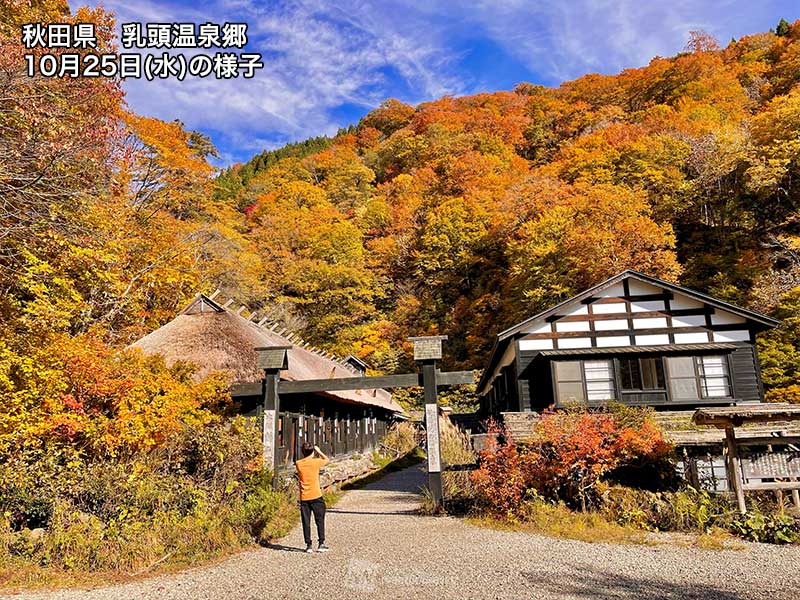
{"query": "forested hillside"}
(458, 216)
(464, 215)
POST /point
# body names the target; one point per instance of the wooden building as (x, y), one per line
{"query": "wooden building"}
(634, 339)
(641, 341)
(214, 338)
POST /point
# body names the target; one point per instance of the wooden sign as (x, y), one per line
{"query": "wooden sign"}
(771, 465)
(428, 347)
(268, 437)
(432, 431)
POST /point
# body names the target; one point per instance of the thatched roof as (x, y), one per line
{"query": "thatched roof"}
(214, 338)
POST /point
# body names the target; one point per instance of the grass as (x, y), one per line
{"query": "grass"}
(18, 576)
(718, 539)
(560, 522)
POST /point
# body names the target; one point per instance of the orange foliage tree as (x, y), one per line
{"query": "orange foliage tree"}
(568, 456)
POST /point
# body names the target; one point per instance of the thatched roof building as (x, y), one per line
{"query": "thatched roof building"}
(215, 338)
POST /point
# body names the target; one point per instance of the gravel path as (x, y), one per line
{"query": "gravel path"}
(381, 549)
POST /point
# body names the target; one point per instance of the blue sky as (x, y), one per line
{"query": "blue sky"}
(327, 63)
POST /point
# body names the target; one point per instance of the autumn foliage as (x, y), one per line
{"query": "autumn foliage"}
(459, 216)
(570, 453)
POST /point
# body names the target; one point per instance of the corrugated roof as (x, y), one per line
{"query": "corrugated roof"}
(215, 338)
(639, 349)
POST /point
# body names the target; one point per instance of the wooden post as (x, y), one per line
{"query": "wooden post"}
(432, 431)
(734, 468)
(272, 406)
(427, 350)
(272, 360)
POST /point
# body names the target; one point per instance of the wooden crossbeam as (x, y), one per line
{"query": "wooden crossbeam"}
(308, 386)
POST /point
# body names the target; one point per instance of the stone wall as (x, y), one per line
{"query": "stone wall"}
(520, 424)
(346, 468)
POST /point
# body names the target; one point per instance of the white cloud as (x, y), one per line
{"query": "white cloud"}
(316, 59)
(562, 40)
(321, 55)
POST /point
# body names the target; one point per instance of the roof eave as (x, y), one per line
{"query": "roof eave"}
(493, 358)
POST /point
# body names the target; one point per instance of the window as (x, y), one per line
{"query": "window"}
(642, 374)
(713, 371)
(695, 377)
(570, 381)
(599, 380)
(682, 378)
(579, 381)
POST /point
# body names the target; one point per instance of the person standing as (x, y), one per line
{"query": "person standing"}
(311, 494)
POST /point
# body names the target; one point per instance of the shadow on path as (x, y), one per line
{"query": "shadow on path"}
(284, 548)
(394, 513)
(594, 583)
(407, 481)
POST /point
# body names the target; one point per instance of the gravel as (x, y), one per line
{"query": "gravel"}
(381, 549)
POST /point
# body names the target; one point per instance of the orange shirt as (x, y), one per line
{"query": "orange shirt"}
(308, 473)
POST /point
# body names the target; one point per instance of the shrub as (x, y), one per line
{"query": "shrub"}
(400, 439)
(504, 477)
(456, 449)
(570, 454)
(454, 444)
(577, 449)
(775, 528)
(688, 510)
(199, 495)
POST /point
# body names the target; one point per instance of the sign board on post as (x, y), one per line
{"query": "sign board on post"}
(428, 347)
(432, 434)
(267, 438)
(272, 359)
(771, 465)
(427, 350)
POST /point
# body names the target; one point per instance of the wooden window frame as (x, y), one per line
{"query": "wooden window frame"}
(583, 381)
(642, 389)
(700, 378)
(701, 375)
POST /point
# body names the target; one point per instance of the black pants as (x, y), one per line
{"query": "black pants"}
(317, 506)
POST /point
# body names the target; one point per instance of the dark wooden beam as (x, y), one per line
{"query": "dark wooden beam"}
(627, 297)
(349, 383)
(308, 386)
(619, 332)
(681, 312)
